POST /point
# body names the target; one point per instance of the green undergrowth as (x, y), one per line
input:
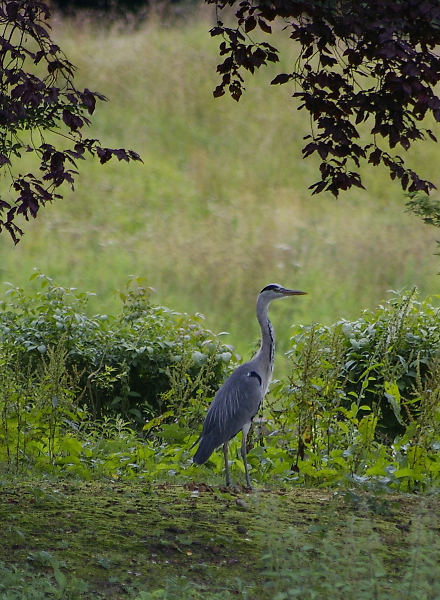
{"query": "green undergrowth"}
(71, 539)
(363, 400)
(360, 406)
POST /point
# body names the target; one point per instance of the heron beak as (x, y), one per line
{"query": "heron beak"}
(293, 293)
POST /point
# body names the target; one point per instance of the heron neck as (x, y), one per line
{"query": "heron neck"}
(267, 349)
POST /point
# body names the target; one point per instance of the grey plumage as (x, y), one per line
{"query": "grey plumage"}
(239, 398)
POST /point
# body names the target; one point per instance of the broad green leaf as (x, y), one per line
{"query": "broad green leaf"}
(407, 472)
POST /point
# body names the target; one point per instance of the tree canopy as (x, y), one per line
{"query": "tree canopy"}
(359, 62)
(38, 95)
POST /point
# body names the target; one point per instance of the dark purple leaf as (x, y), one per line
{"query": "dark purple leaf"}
(226, 66)
(89, 101)
(281, 78)
(12, 9)
(250, 24)
(121, 154)
(104, 155)
(72, 121)
(264, 26)
(216, 31)
(38, 56)
(219, 91)
(134, 156)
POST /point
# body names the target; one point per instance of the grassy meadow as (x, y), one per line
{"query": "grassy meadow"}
(220, 207)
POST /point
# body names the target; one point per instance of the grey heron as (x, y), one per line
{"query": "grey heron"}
(239, 398)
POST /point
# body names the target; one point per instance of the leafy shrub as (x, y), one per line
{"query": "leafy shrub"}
(362, 401)
(123, 364)
(383, 358)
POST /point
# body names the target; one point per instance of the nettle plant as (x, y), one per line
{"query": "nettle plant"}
(36, 407)
(363, 399)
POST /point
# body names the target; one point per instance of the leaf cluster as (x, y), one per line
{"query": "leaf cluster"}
(359, 62)
(38, 95)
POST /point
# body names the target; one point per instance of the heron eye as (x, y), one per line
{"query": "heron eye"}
(272, 286)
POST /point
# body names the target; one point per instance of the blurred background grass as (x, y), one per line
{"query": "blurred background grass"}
(221, 206)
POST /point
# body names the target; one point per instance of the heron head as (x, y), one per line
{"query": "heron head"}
(274, 291)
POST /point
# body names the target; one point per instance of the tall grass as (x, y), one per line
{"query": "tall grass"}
(220, 206)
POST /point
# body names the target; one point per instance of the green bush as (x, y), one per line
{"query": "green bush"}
(123, 365)
(383, 359)
(362, 402)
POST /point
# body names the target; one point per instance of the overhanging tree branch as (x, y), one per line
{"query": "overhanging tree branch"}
(360, 62)
(37, 95)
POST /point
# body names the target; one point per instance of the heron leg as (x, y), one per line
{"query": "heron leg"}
(245, 431)
(225, 453)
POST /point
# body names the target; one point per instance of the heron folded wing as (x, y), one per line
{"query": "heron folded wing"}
(234, 405)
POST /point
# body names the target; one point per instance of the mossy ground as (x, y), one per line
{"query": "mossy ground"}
(130, 536)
